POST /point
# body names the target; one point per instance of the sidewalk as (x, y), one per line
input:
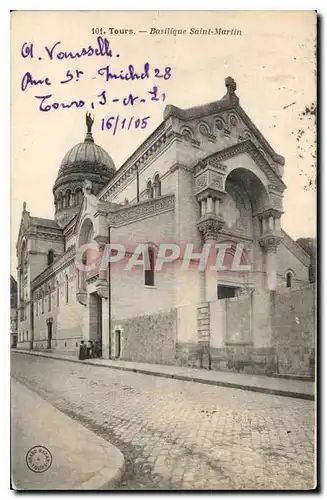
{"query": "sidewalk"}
(80, 459)
(258, 383)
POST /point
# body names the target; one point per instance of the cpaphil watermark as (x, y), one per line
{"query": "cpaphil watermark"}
(38, 459)
(221, 256)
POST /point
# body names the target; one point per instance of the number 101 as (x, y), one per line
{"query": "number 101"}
(97, 31)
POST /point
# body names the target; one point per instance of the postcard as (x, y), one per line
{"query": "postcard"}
(163, 250)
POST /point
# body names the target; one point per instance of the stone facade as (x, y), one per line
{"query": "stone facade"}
(293, 330)
(148, 338)
(206, 175)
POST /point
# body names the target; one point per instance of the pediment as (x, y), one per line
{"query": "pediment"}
(250, 157)
(223, 123)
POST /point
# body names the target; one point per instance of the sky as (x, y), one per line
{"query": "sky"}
(272, 61)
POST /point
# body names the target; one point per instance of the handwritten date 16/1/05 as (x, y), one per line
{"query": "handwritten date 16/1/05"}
(116, 123)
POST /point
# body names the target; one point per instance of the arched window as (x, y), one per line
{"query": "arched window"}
(37, 306)
(149, 189)
(157, 186)
(149, 273)
(78, 196)
(58, 293)
(49, 301)
(68, 198)
(66, 288)
(83, 273)
(42, 303)
(50, 257)
(289, 276)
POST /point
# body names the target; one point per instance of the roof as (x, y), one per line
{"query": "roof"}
(87, 152)
(229, 101)
(40, 221)
(295, 248)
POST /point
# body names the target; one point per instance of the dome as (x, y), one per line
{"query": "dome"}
(87, 153)
(85, 161)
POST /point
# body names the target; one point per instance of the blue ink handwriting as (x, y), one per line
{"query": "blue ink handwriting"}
(115, 123)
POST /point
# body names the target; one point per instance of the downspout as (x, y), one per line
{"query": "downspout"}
(137, 185)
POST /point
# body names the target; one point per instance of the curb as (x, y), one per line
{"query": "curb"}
(105, 473)
(105, 479)
(231, 385)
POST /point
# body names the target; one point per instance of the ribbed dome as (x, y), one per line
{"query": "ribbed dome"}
(86, 154)
(85, 161)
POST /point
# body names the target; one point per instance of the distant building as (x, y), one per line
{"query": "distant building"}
(205, 175)
(13, 311)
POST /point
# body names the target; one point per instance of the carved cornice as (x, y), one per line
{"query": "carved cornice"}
(102, 288)
(146, 208)
(81, 296)
(210, 226)
(47, 236)
(248, 147)
(76, 174)
(270, 242)
(210, 192)
(181, 166)
(270, 212)
(92, 278)
(63, 261)
(214, 164)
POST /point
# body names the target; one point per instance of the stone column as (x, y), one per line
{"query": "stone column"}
(270, 244)
(269, 240)
(101, 284)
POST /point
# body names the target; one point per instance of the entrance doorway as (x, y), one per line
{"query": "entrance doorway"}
(95, 319)
(49, 325)
(226, 292)
(117, 344)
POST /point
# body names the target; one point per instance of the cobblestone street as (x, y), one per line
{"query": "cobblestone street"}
(182, 435)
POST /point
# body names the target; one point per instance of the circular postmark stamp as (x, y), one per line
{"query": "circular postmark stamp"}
(38, 459)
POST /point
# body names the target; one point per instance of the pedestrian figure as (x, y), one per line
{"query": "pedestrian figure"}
(82, 350)
(97, 349)
(89, 349)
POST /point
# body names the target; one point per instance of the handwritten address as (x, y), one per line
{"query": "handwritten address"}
(108, 73)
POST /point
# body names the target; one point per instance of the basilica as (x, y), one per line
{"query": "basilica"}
(205, 175)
